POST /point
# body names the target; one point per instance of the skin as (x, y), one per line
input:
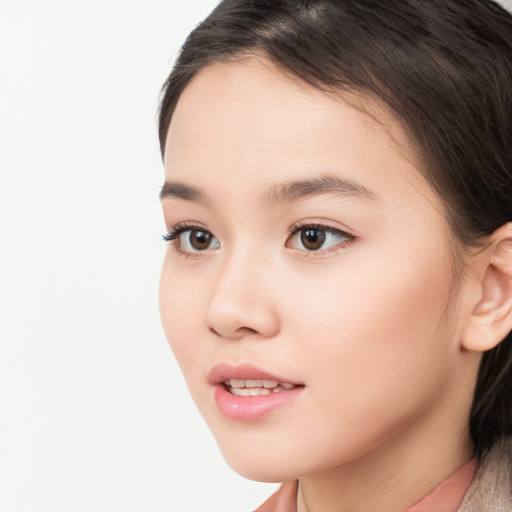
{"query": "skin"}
(364, 322)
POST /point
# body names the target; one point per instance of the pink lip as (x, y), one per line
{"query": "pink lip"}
(248, 408)
(220, 372)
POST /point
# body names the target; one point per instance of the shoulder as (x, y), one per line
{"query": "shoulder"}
(491, 489)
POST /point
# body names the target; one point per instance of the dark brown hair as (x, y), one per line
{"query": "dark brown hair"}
(443, 68)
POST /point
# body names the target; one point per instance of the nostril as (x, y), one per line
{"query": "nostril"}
(213, 331)
(247, 330)
(236, 334)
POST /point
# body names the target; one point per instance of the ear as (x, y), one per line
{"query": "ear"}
(491, 317)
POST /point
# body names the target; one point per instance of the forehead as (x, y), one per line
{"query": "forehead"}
(253, 93)
(259, 124)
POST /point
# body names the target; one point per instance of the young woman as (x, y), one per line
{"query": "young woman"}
(338, 283)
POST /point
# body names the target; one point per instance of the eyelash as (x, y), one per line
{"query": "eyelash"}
(172, 237)
(174, 233)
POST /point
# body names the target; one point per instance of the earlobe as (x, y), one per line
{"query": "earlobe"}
(491, 317)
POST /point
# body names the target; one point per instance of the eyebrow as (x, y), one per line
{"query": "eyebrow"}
(325, 184)
(284, 192)
(182, 191)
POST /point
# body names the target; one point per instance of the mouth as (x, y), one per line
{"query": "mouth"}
(256, 387)
(247, 393)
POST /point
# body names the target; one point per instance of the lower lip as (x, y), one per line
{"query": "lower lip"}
(251, 408)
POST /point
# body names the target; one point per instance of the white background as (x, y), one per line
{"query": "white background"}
(94, 415)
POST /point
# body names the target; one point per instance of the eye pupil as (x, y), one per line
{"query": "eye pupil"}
(200, 239)
(312, 238)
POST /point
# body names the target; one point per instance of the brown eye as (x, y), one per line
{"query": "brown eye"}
(195, 240)
(200, 240)
(312, 238)
(317, 238)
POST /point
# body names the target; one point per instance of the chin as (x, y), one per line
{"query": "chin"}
(262, 462)
(262, 469)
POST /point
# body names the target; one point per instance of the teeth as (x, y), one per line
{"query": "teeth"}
(240, 391)
(260, 391)
(250, 383)
(255, 387)
(249, 391)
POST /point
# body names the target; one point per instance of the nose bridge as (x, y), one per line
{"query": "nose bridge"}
(241, 300)
(237, 268)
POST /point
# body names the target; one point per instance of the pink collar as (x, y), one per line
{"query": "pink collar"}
(448, 495)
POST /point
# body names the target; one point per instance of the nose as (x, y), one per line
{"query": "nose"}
(242, 301)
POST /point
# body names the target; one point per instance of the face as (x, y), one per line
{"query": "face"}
(304, 289)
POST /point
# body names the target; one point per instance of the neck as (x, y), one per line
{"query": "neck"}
(389, 479)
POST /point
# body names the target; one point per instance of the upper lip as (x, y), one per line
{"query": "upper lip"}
(224, 371)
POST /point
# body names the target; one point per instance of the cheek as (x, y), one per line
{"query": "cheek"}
(380, 304)
(178, 300)
(376, 348)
